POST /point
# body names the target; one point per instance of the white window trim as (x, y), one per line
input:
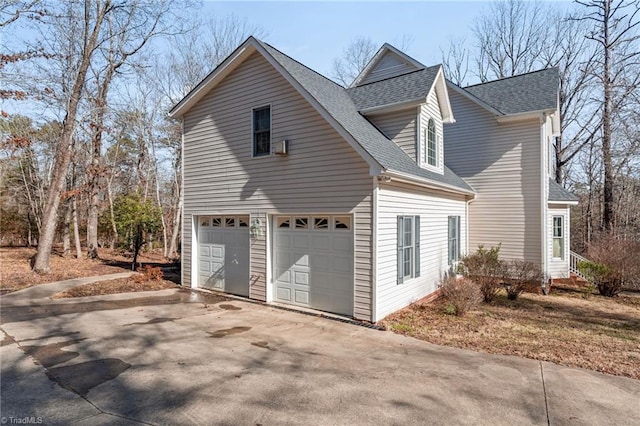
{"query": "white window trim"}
(457, 238)
(562, 237)
(253, 154)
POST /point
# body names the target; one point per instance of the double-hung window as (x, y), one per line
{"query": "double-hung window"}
(454, 239)
(408, 237)
(558, 237)
(262, 131)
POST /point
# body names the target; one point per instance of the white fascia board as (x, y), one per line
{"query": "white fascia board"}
(440, 86)
(563, 203)
(528, 115)
(407, 178)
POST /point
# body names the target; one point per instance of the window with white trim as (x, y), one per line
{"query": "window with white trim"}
(262, 131)
(558, 237)
(454, 239)
(430, 144)
(408, 238)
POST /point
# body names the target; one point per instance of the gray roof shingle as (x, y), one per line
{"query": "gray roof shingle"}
(534, 91)
(406, 87)
(337, 102)
(558, 193)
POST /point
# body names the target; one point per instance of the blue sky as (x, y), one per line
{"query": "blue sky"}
(315, 33)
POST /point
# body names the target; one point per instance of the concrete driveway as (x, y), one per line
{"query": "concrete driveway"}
(180, 358)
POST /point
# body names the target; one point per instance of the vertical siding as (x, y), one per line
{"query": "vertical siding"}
(322, 173)
(432, 110)
(400, 127)
(557, 268)
(434, 208)
(390, 65)
(502, 162)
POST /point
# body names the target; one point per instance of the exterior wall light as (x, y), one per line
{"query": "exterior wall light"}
(256, 228)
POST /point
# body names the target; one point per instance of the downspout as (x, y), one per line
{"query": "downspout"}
(543, 192)
(374, 253)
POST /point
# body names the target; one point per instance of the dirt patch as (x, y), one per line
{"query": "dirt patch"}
(15, 267)
(228, 332)
(597, 333)
(122, 285)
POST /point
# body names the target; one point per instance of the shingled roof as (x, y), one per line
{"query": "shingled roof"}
(406, 87)
(558, 193)
(337, 103)
(535, 91)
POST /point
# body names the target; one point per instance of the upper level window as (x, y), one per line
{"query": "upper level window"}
(432, 147)
(262, 131)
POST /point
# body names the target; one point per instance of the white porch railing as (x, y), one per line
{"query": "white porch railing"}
(574, 261)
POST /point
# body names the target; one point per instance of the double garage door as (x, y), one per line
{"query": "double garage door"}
(312, 259)
(313, 262)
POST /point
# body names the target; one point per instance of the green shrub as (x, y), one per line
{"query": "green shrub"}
(485, 268)
(462, 294)
(521, 275)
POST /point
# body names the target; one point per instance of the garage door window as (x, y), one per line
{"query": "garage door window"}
(342, 222)
(284, 222)
(216, 222)
(302, 222)
(204, 222)
(243, 222)
(321, 223)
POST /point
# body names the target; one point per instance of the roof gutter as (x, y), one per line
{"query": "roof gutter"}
(559, 202)
(414, 180)
(528, 115)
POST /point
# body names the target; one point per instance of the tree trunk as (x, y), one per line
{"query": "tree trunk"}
(112, 216)
(177, 222)
(76, 231)
(66, 234)
(137, 245)
(63, 153)
(607, 214)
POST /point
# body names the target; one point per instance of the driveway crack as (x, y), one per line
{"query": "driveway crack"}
(544, 391)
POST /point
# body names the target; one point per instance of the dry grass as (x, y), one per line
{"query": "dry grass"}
(123, 285)
(597, 333)
(16, 274)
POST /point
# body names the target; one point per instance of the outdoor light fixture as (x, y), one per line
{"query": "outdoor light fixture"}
(256, 228)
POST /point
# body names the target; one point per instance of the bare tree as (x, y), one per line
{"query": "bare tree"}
(614, 29)
(456, 61)
(354, 58)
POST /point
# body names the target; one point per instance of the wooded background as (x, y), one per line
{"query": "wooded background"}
(95, 148)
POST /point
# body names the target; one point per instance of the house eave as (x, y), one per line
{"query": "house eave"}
(427, 183)
(527, 115)
(398, 106)
(563, 203)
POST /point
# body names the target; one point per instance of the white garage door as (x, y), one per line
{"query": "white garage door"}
(313, 262)
(223, 253)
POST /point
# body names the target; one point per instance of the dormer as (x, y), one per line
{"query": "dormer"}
(407, 102)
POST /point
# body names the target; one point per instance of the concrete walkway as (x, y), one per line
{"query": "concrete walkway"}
(194, 359)
(41, 294)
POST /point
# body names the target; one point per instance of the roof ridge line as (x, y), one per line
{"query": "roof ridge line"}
(509, 77)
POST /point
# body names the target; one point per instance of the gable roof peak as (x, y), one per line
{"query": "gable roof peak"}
(385, 49)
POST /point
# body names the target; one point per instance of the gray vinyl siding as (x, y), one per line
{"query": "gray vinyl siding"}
(322, 173)
(434, 208)
(400, 127)
(390, 65)
(431, 110)
(558, 268)
(502, 162)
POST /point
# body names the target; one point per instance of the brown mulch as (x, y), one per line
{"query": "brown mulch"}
(566, 328)
(16, 274)
(122, 285)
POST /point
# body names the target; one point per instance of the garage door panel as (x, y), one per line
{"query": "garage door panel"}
(320, 267)
(223, 257)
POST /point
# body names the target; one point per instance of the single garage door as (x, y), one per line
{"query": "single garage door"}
(313, 262)
(223, 253)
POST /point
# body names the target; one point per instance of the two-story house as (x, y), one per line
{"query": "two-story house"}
(299, 191)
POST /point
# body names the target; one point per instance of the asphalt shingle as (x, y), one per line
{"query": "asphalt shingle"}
(406, 87)
(558, 193)
(534, 91)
